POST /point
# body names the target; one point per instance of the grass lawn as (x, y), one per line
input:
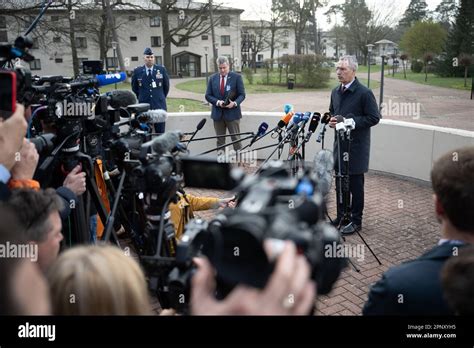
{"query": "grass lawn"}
(174, 104)
(199, 86)
(433, 80)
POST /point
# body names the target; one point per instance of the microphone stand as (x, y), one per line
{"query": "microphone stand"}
(225, 145)
(344, 193)
(278, 147)
(222, 136)
(263, 136)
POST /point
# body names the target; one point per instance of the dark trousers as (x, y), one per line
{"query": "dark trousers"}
(160, 127)
(356, 200)
(221, 128)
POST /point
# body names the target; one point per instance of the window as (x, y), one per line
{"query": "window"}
(131, 18)
(159, 60)
(225, 21)
(225, 40)
(57, 39)
(81, 42)
(260, 57)
(3, 22)
(54, 18)
(3, 36)
(286, 33)
(133, 38)
(155, 21)
(35, 64)
(112, 62)
(185, 43)
(285, 44)
(204, 37)
(58, 60)
(156, 41)
(135, 59)
(203, 18)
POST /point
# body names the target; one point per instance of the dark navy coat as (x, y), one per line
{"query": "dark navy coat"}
(357, 102)
(142, 86)
(234, 85)
(412, 288)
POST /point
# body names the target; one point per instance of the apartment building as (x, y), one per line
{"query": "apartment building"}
(136, 29)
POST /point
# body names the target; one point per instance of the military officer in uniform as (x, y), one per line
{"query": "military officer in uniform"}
(151, 84)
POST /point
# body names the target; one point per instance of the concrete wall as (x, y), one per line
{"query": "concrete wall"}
(397, 147)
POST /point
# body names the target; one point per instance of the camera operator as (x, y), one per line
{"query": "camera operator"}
(289, 290)
(183, 211)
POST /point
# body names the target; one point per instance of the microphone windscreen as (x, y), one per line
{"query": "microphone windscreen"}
(201, 124)
(288, 108)
(323, 167)
(153, 116)
(109, 79)
(165, 142)
(314, 122)
(339, 118)
(262, 129)
(121, 98)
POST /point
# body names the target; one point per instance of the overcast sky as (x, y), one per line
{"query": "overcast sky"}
(255, 9)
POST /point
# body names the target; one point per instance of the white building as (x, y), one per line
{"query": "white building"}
(136, 30)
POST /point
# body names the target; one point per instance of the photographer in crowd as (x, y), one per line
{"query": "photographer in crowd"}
(414, 288)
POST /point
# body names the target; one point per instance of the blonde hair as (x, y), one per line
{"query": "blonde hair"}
(98, 280)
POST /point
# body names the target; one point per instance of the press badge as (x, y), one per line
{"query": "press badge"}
(227, 88)
(153, 84)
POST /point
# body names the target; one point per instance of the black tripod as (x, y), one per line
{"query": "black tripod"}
(343, 187)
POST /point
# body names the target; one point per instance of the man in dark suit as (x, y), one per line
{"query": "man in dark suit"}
(223, 87)
(415, 287)
(151, 84)
(352, 100)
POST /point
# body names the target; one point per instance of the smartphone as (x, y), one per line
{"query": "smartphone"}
(207, 173)
(7, 93)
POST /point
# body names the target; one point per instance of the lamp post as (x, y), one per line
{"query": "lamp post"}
(382, 78)
(114, 48)
(369, 51)
(395, 61)
(207, 73)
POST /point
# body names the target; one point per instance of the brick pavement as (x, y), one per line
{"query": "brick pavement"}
(399, 225)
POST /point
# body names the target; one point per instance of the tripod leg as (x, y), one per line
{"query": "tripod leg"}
(380, 263)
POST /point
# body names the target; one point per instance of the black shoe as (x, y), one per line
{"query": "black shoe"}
(350, 229)
(336, 222)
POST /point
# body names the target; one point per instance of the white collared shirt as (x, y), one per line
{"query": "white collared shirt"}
(349, 84)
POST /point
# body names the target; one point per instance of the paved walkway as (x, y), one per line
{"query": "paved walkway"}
(438, 106)
(399, 225)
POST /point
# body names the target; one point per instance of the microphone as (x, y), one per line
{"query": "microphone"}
(349, 123)
(261, 131)
(340, 126)
(283, 122)
(99, 81)
(153, 116)
(198, 128)
(288, 108)
(164, 143)
(201, 124)
(313, 125)
(324, 120)
(120, 98)
(109, 79)
(322, 170)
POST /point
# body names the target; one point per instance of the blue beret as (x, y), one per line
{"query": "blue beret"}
(148, 52)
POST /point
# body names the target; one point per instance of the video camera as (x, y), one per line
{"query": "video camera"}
(273, 206)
